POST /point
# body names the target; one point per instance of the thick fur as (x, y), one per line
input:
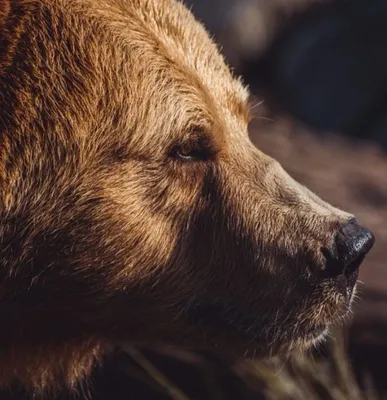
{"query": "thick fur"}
(133, 206)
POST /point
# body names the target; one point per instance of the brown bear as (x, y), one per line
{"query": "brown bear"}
(135, 209)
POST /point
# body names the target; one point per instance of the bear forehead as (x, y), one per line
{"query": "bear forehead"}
(168, 39)
(138, 66)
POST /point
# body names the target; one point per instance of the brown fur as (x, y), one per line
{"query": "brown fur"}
(107, 236)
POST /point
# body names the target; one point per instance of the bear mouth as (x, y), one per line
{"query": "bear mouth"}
(222, 316)
(350, 278)
(225, 318)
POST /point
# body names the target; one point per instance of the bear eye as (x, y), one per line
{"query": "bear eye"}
(190, 152)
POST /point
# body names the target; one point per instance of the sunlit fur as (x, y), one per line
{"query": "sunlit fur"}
(107, 236)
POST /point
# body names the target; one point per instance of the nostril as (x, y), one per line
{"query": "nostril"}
(352, 243)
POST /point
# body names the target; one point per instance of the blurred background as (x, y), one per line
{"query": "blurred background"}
(317, 70)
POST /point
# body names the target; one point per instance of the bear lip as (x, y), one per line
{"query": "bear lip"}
(351, 279)
(351, 274)
(210, 314)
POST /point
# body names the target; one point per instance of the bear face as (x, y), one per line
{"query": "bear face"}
(134, 207)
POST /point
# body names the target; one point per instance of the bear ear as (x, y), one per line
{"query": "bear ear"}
(5, 7)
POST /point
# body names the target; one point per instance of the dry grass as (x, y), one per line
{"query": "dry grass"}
(303, 377)
(306, 378)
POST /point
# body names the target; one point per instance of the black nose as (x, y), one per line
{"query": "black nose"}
(352, 243)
